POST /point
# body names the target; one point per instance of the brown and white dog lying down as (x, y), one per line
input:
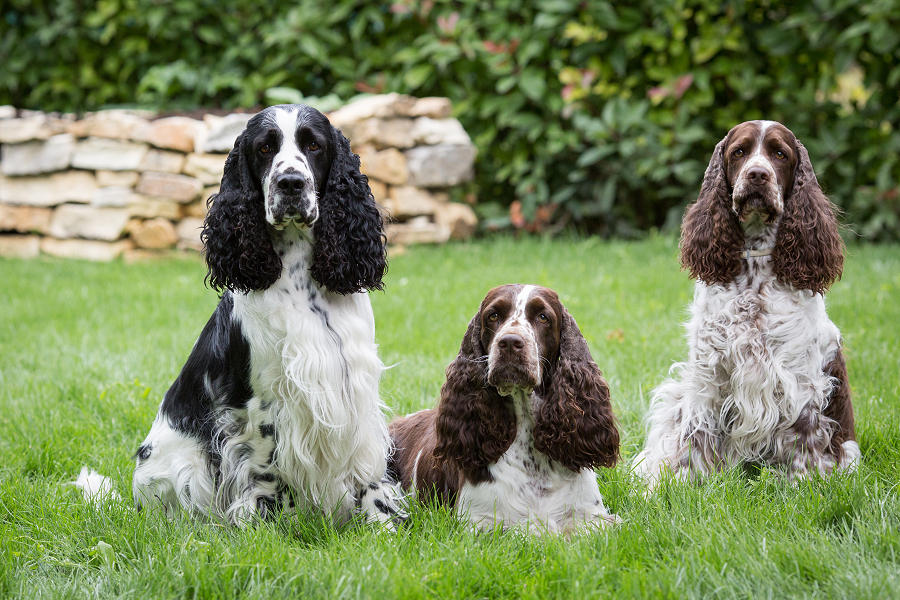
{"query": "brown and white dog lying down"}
(765, 380)
(524, 419)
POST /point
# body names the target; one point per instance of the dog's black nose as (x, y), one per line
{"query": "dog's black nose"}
(757, 175)
(511, 343)
(291, 183)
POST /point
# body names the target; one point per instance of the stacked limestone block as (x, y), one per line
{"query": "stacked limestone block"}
(120, 181)
(413, 153)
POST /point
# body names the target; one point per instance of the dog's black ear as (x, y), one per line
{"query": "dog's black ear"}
(236, 242)
(809, 251)
(711, 234)
(575, 424)
(475, 425)
(350, 254)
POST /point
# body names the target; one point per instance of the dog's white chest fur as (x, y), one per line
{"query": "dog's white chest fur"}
(527, 491)
(764, 345)
(278, 401)
(314, 372)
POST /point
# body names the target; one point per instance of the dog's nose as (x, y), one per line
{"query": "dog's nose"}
(511, 343)
(291, 183)
(757, 175)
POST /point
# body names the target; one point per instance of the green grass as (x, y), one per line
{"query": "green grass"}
(88, 350)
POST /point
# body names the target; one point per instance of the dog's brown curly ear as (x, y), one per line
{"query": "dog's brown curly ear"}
(809, 251)
(475, 425)
(711, 234)
(236, 243)
(575, 424)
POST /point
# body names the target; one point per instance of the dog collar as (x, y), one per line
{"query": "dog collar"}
(745, 254)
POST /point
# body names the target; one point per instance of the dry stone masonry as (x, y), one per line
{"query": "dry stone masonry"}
(123, 181)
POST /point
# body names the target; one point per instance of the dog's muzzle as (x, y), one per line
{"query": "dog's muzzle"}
(293, 202)
(512, 364)
(757, 192)
(756, 203)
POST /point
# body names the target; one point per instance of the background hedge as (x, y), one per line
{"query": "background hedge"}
(594, 114)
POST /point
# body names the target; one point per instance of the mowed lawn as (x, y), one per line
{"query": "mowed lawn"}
(88, 350)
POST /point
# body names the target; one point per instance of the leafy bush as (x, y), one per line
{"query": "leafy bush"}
(599, 115)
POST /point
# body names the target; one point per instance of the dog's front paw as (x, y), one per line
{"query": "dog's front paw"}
(382, 502)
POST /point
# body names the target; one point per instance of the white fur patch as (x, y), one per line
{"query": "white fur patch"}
(314, 360)
(177, 473)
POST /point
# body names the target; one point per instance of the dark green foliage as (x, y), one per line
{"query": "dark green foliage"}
(606, 111)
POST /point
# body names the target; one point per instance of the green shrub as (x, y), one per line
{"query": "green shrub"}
(655, 86)
(590, 113)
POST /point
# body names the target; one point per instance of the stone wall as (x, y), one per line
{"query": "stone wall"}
(123, 181)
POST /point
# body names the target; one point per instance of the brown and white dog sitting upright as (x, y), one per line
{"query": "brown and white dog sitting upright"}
(524, 419)
(765, 380)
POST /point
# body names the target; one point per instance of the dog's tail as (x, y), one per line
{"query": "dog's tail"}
(95, 487)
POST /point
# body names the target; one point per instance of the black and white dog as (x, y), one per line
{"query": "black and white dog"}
(277, 406)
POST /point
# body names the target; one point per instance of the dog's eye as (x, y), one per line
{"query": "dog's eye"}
(780, 155)
(493, 317)
(738, 152)
(265, 149)
(313, 147)
(543, 318)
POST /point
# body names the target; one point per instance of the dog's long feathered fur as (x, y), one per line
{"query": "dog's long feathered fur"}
(518, 432)
(277, 406)
(765, 380)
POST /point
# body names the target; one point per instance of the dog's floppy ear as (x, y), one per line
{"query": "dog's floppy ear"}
(350, 253)
(237, 245)
(475, 425)
(711, 234)
(575, 424)
(809, 251)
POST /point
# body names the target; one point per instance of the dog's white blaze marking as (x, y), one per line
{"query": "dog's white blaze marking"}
(521, 300)
(758, 158)
(524, 295)
(290, 152)
(518, 324)
(763, 126)
(289, 156)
